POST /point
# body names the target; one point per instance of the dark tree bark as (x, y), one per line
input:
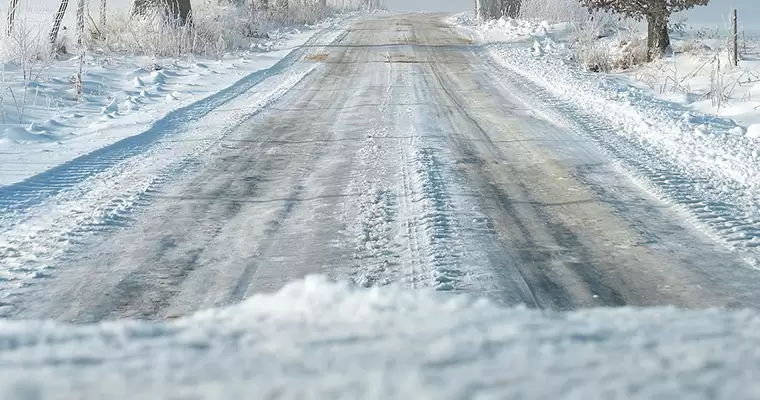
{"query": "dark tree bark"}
(179, 11)
(658, 38)
(511, 8)
(12, 8)
(656, 12)
(494, 9)
(57, 21)
(174, 11)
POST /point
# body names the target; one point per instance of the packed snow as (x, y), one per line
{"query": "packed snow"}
(315, 339)
(702, 156)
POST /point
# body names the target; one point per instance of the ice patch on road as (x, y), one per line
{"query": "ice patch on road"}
(341, 342)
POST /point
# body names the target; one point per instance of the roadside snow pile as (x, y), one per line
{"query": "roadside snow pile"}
(128, 83)
(322, 340)
(505, 29)
(707, 164)
(43, 124)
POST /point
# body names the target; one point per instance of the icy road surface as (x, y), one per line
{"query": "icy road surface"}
(393, 151)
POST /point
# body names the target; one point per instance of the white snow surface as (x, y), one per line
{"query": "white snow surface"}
(44, 126)
(702, 160)
(315, 339)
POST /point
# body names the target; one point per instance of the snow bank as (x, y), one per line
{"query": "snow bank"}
(314, 339)
(707, 165)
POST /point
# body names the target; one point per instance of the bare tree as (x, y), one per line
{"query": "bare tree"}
(12, 9)
(656, 12)
(511, 8)
(81, 47)
(174, 11)
(492, 9)
(57, 21)
(103, 8)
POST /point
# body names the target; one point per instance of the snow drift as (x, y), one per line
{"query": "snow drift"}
(316, 339)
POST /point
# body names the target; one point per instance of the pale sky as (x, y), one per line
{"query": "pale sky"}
(717, 12)
(430, 5)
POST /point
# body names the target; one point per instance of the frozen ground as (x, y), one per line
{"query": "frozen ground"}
(313, 339)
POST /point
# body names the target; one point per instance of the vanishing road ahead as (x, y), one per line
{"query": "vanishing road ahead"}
(402, 154)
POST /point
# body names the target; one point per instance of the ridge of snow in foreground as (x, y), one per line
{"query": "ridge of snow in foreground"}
(315, 339)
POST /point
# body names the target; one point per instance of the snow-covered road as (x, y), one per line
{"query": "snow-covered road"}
(394, 151)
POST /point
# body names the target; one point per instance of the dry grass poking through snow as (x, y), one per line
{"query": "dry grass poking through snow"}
(699, 72)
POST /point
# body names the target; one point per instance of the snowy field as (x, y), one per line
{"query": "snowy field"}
(129, 83)
(124, 96)
(315, 339)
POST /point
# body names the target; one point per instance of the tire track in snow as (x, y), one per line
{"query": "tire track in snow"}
(35, 190)
(436, 222)
(699, 201)
(32, 239)
(431, 226)
(376, 258)
(408, 229)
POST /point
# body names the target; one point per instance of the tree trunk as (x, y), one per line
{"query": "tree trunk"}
(658, 38)
(80, 24)
(57, 21)
(484, 9)
(140, 7)
(81, 47)
(103, 12)
(511, 8)
(495, 9)
(488, 9)
(480, 7)
(179, 12)
(175, 12)
(12, 8)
